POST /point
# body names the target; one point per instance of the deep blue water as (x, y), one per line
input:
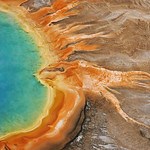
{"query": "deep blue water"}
(22, 97)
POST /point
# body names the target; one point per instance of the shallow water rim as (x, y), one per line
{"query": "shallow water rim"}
(28, 26)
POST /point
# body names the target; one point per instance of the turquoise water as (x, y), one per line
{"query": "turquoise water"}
(22, 97)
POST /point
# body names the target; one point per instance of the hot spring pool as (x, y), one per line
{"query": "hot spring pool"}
(22, 96)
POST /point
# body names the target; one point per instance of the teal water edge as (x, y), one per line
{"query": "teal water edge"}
(22, 97)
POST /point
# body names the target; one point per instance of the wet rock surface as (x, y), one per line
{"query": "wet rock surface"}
(33, 5)
(104, 129)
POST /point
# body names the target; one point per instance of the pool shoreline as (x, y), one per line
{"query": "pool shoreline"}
(20, 16)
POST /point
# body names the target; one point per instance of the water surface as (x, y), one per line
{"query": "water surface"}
(22, 97)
